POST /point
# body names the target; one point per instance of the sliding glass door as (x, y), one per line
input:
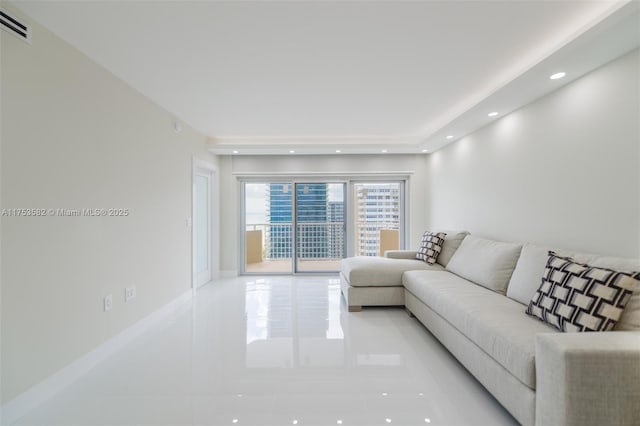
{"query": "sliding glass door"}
(293, 227)
(320, 226)
(268, 227)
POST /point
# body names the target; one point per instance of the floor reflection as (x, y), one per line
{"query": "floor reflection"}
(290, 325)
(276, 351)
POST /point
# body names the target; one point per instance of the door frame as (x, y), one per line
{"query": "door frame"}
(206, 168)
(347, 178)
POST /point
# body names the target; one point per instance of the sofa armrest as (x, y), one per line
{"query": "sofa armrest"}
(400, 254)
(588, 378)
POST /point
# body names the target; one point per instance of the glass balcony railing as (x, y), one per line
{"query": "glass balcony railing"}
(318, 241)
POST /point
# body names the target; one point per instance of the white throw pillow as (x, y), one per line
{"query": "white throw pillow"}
(527, 275)
(485, 262)
(452, 241)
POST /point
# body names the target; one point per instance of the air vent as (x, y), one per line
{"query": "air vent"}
(15, 26)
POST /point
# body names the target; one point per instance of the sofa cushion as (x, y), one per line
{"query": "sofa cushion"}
(495, 323)
(373, 271)
(578, 297)
(430, 247)
(400, 254)
(527, 277)
(452, 241)
(485, 262)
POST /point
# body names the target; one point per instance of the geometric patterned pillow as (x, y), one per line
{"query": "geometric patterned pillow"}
(430, 247)
(578, 297)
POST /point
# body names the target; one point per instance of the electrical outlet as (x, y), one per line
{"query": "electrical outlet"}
(108, 302)
(129, 293)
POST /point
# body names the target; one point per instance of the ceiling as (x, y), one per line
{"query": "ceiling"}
(268, 77)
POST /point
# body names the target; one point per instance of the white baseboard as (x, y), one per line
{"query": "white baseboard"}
(30, 399)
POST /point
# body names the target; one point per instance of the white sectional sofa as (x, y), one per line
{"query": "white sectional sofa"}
(377, 281)
(474, 301)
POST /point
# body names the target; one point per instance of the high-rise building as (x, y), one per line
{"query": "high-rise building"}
(378, 207)
(311, 208)
(278, 209)
(335, 219)
(311, 204)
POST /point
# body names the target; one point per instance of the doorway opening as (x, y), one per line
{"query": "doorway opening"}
(294, 227)
(308, 226)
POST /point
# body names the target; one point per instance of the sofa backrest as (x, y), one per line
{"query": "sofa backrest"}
(529, 270)
(452, 241)
(485, 262)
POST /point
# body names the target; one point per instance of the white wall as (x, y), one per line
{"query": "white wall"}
(563, 170)
(74, 136)
(231, 168)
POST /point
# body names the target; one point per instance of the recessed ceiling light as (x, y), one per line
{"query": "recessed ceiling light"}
(384, 151)
(292, 152)
(557, 75)
(338, 151)
(492, 114)
(235, 151)
(450, 137)
(425, 150)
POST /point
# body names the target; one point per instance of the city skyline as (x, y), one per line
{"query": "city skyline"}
(255, 203)
(321, 214)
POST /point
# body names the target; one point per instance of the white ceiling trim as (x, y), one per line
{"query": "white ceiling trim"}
(515, 71)
(322, 147)
(313, 145)
(608, 39)
(345, 175)
(605, 37)
(615, 28)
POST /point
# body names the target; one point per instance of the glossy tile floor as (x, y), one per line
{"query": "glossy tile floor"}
(277, 351)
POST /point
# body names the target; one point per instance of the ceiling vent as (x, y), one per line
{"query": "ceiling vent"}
(15, 26)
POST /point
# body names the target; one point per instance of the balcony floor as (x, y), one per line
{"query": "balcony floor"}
(284, 266)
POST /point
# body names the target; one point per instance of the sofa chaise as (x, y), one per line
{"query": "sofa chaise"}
(473, 300)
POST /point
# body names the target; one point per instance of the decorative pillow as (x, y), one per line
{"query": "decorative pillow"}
(430, 247)
(630, 319)
(578, 297)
